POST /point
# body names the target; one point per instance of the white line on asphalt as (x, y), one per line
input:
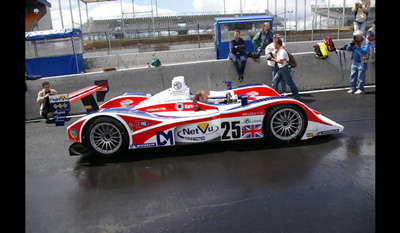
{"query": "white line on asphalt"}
(333, 89)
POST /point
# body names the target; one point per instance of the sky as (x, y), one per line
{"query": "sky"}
(112, 9)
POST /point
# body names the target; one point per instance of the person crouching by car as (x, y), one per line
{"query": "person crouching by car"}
(43, 100)
(237, 47)
(360, 48)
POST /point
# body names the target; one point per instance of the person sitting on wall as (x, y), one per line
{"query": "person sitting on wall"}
(263, 38)
(237, 47)
(43, 100)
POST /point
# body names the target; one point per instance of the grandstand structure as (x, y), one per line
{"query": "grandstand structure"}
(156, 33)
(146, 34)
(139, 27)
(181, 25)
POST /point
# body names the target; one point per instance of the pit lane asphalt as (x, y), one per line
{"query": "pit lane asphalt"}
(326, 184)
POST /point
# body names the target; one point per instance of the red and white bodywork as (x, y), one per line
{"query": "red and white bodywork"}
(173, 117)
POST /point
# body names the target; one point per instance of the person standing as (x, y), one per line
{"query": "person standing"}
(269, 50)
(43, 100)
(282, 58)
(263, 38)
(360, 48)
(371, 36)
(360, 10)
(237, 47)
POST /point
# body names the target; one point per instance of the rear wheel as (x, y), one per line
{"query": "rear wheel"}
(285, 123)
(106, 136)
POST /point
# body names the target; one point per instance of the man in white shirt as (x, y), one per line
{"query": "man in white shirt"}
(281, 57)
(269, 50)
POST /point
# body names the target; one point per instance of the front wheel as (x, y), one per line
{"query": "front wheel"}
(106, 136)
(285, 123)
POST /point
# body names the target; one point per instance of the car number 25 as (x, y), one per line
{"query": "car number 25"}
(232, 130)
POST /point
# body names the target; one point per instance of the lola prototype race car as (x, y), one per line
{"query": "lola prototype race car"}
(175, 117)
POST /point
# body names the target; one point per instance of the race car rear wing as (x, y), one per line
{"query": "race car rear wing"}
(100, 87)
(61, 104)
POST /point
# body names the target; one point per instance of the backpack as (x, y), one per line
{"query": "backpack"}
(329, 43)
(291, 61)
(321, 50)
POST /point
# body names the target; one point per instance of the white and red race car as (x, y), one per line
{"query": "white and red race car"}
(175, 117)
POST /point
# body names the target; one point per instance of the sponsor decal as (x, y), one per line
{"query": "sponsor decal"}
(177, 89)
(179, 106)
(188, 106)
(152, 144)
(139, 124)
(252, 131)
(177, 85)
(59, 98)
(73, 132)
(253, 93)
(156, 109)
(247, 121)
(165, 139)
(328, 132)
(197, 132)
(253, 113)
(126, 103)
(60, 107)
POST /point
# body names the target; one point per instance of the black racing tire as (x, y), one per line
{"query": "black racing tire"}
(285, 123)
(106, 136)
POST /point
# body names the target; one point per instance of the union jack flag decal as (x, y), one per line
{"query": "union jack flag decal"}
(252, 131)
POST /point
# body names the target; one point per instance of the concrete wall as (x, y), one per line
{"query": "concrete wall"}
(135, 60)
(311, 73)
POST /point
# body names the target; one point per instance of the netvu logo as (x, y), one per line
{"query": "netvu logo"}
(201, 132)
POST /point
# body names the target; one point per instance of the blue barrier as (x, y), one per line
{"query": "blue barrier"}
(54, 52)
(54, 66)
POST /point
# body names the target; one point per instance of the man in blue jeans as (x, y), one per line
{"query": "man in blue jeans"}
(281, 57)
(237, 47)
(360, 48)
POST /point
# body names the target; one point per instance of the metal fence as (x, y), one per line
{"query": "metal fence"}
(132, 35)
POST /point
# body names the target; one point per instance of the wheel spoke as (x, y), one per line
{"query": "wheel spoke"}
(112, 144)
(279, 132)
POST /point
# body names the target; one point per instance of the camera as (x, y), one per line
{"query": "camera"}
(270, 56)
(353, 42)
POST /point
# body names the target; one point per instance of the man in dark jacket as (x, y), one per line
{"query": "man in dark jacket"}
(237, 47)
